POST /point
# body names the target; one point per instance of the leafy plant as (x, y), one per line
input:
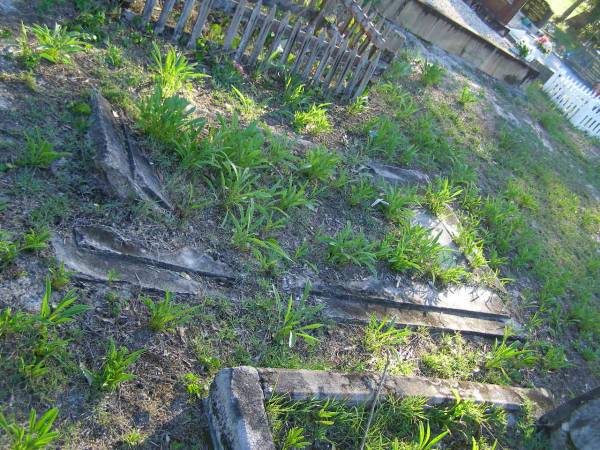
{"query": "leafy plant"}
(426, 442)
(165, 316)
(294, 439)
(194, 385)
(112, 372)
(38, 151)
(246, 105)
(522, 49)
(439, 195)
(114, 55)
(168, 120)
(362, 191)
(292, 320)
(291, 196)
(295, 95)
(383, 334)
(398, 202)
(26, 53)
(240, 145)
(58, 44)
(467, 97)
(312, 121)
(64, 312)
(320, 164)
(173, 71)
(237, 186)
(350, 247)
(37, 435)
(431, 73)
(509, 356)
(385, 137)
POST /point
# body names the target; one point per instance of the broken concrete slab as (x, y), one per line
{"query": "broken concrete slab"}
(106, 240)
(352, 311)
(126, 172)
(397, 175)
(465, 300)
(361, 387)
(236, 411)
(96, 267)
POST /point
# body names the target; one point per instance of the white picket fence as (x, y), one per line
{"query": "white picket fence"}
(576, 101)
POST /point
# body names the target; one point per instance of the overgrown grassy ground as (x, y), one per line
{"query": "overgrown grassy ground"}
(524, 183)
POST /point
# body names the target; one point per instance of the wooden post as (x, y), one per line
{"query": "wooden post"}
(233, 26)
(185, 14)
(248, 31)
(358, 71)
(164, 15)
(328, 52)
(336, 62)
(368, 74)
(147, 13)
(199, 25)
(340, 83)
(291, 40)
(278, 35)
(262, 36)
(313, 55)
(306, 40)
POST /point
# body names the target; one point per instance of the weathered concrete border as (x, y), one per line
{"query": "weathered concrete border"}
(238, 420)
(361, 387)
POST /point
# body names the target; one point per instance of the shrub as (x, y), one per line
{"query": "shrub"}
(56, 45)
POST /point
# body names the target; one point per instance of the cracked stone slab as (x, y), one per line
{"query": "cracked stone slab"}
(360, 311)
(96, 266)
(463, 300)
(361, 387)
(236, 411)
(106, 240)
(126, 172)
(397, 175)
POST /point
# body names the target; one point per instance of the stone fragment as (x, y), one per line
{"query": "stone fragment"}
(236, 411)
(361, 387)
(397, 175)
(106, 240)
(127, 173)
(96, 266)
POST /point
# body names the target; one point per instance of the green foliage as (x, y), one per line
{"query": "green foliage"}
(295, 321)
(194, 385)
(169, 120)
(37, 435)
(397, 203)
(426, 442)
(172, 72)
(452, 359)
(166, 316)
(65, 311)
(11, 248)
(320, 164)
(241, 145)
(294, 439)
(58, 44)
(113, 370)
(522, 49)
(114, 56)
(350, 247)
(26, 52)
(440, 195)
(313, 121)
(291, 196)
(295, 95)
(362, 191)
(507, 357)
(555, 358)
(237, 186)
(38, 151)
(467, 97)
(431, 73)
(382, 335)
(384, 136)
(245, 104)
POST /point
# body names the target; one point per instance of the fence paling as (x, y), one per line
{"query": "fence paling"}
(341, 61)
(579, 103)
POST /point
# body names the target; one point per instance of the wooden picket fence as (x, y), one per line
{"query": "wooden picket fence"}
(340, 58)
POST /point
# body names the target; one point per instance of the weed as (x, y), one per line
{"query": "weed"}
(38, 151)
(440, 195)
(398, 202)
(467, 97)
(294, 439)
(312, 121)
(509, 357)
(166, 316)
(431, 73)
(26, 53)
(112, 373)
(65, 311)
(114, 55)
(237, 186)
(173, 71)
(291, 196)
(58, 44)
(359, 105)
(31, 241)
(350, 247)
(194, 385)
(37, 435)
(166, 120)
(381, 335)
(555, 358)
(384, 137)
(320, 164)
(426, 442)
(398, 70)
(362, 191)
(452, 359)
(294, 322)
(134, 439)
(246, 105)
(295, 95)
(241, 145)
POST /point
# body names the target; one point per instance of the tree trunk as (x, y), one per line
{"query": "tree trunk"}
(570, 10)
